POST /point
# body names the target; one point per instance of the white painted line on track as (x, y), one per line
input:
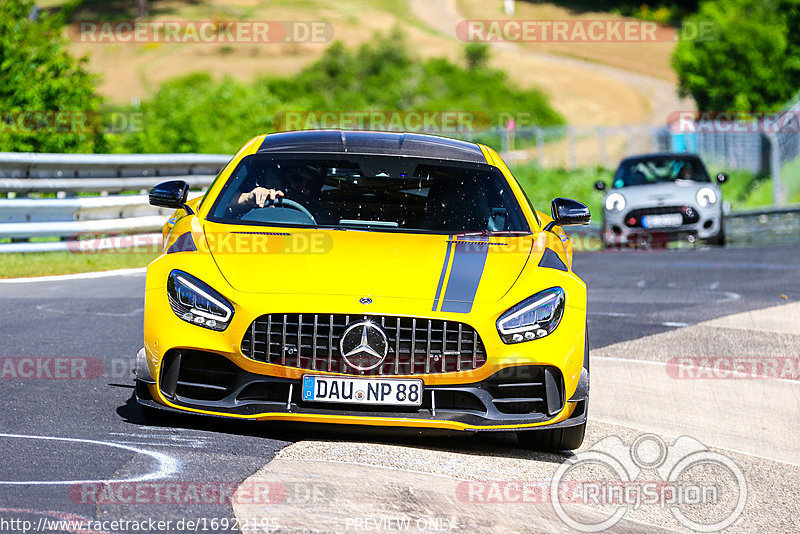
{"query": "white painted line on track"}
(729, 296)
(51, 309)
(153, 444)
(76, 276)
(167, 465)
(187, 438)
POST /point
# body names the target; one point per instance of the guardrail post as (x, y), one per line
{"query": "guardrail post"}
(601, 146)
(539, 147)
(573, 149)
(775, 169)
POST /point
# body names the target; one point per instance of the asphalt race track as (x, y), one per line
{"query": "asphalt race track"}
(103, 435)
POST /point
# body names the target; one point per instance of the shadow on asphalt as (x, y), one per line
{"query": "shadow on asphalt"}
(498, 444)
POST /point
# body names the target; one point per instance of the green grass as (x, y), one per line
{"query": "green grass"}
(790, 176)
(13, 265)
(543, 185)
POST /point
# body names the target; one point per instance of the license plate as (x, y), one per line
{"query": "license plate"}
(662, 221)
(380, 391)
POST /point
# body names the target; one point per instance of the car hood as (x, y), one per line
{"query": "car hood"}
(666, 194)
(367, 264)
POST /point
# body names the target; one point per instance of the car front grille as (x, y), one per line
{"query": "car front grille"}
(633, 219)
(415, 345)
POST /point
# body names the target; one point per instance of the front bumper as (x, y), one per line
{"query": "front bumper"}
(519, 397)
(618, 230)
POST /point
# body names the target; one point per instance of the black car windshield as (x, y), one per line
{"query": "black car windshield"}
(385, 193)
(659, 169)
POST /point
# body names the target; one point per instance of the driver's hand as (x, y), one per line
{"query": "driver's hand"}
(259, 195)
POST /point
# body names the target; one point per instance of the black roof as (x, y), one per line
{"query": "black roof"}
(377, 143)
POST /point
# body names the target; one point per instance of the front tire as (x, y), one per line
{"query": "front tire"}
(555, 439)
(719, 239)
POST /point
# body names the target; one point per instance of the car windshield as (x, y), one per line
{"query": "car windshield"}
(386, 193)
(658, 170)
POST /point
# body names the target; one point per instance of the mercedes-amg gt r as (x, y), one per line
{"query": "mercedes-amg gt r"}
(368, 278)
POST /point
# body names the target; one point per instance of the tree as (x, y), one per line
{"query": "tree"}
(750, 63)
(477, 55)
(39, 79)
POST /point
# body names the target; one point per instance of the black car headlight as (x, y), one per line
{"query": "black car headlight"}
(533, 318)
(197, 303)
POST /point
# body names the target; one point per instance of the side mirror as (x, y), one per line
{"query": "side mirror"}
(568, 212)
(172, 194)
(722, 178)
(600, 186)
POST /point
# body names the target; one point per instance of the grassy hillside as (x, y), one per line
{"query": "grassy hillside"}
(650, 58)
(134, 71)
(196, 113)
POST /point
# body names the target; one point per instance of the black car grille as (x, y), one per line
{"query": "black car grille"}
(416, 345)
(633, 219)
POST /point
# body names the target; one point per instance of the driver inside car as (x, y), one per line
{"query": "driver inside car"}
(296, 183)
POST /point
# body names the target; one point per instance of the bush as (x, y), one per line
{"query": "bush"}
(197, 114)
(477, 55)
(39, 76)
(543, 185)
(752, 63)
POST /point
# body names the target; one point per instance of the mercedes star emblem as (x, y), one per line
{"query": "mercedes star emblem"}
(364, 345)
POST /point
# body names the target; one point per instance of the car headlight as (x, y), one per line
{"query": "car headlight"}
(533, 318)
(706, 197)
(615, 202)
(197, 303)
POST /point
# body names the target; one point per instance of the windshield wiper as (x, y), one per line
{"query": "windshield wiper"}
(492, 233)
(357, 223)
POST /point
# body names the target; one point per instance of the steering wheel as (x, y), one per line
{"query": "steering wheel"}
(291, 204)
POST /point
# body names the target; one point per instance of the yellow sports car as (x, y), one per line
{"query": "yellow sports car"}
(368, 278)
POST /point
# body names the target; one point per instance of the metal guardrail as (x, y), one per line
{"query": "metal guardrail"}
(27, 175)
(777, 226)
(755, 227)
(26, 186)
(33, 165)
(67, 174)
